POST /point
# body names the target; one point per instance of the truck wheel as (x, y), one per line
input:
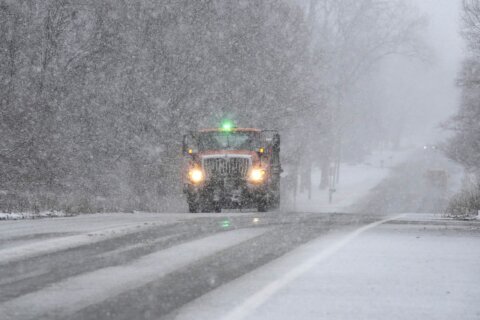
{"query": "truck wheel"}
(262, 206)
(206, 203)
(206, 208)
(276, 202)
(193, 207)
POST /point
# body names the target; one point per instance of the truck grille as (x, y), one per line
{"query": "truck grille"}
(235, 166)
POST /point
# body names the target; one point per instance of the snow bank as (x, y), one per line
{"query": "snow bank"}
(356, 181)
(29, 215)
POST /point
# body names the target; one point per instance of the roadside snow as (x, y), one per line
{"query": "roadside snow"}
(29, 215)
(356, 180)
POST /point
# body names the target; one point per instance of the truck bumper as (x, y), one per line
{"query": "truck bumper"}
(227, 194)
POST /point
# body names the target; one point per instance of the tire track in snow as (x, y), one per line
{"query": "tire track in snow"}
(32, 274)
(65, 297)
(160, 298)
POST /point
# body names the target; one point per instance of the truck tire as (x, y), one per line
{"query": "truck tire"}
(275, 203)
(262, 206)
(206, 203)
(275, 196)
(193, 207)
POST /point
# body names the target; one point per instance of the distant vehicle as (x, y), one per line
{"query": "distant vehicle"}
(437, 177)
(430, 147)
(229, 167)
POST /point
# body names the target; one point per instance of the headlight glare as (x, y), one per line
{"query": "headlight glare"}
(195, 175)
(257, 175)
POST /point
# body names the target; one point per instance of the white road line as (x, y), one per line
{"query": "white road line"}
(73, 294)
(257, 299)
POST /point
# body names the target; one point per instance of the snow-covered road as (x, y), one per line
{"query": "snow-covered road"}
(141, 266)
(407, 268)
(96, 286)
(245, 266)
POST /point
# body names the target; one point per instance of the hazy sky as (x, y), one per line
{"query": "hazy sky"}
(423, 93)
(444, 27)
(437, 81)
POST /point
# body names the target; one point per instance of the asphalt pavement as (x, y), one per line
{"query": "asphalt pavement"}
(32, 286)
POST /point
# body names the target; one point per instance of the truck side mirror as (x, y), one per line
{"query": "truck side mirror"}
(276, 141)
(184, 145)
(188, 145)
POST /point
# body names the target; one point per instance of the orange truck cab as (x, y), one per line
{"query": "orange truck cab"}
(228, 167)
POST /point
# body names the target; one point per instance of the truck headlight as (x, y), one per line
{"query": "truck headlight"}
(256, 175)
(195, 175)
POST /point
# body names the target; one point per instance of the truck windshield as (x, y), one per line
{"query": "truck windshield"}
(237, 140)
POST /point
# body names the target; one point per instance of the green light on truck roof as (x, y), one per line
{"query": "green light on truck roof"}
(227, 125)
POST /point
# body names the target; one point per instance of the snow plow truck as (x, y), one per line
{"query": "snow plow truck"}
(231, 168)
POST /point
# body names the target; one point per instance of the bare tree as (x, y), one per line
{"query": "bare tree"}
(464, 146)
(348, 40)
